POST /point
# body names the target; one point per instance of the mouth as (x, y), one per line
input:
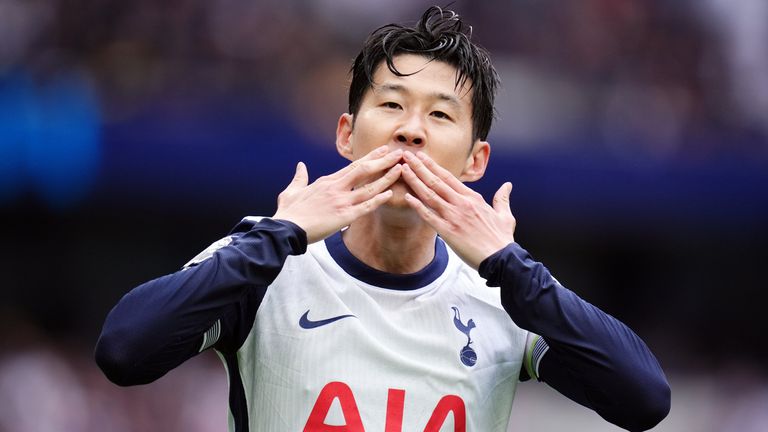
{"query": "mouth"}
(401, 180)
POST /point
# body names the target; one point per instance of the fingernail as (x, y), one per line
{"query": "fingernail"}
(381, 150)
(421, 155)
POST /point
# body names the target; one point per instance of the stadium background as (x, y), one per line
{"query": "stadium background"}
(133, 134)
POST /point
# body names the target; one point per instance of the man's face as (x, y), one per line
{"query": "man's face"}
(420, 112)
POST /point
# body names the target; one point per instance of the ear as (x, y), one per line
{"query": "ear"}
(344, 136)
(477, 161)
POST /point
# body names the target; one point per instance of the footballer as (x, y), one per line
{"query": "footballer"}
(388, 296)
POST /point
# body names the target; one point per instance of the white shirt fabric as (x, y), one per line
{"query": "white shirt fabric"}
(396, 357)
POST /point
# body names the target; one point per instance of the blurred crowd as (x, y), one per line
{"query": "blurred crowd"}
(662, 80)
(650, 79)
(54, 386)
(85, 85)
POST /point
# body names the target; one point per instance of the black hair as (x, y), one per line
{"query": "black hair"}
(438, 35)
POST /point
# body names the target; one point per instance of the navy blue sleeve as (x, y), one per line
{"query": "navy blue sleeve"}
(161, 323)
(593, 358)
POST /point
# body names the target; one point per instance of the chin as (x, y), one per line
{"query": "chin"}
(397, 211)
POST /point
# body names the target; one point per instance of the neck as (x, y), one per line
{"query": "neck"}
(392, 241)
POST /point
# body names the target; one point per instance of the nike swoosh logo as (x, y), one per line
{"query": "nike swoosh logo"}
(306, 323)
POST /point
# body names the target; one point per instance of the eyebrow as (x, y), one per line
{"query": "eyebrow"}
(398, 88)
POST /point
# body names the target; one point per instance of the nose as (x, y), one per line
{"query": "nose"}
(411, 132)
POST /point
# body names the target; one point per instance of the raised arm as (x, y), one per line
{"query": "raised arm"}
(162, 323)
(592, 358)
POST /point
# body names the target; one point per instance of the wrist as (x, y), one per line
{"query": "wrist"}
(299, 231)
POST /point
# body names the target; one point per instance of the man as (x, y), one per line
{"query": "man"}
(362, 303)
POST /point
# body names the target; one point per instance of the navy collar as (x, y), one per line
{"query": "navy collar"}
(403, 282)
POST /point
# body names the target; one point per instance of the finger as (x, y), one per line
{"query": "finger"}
(429, 178)
(442, 173)
(426, 193)
(425, 213)
(501, 198)
(364, 169)
(373, 154)
(370, 205)
(369, 190)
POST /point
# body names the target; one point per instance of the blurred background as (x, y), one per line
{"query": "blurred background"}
(133, 134)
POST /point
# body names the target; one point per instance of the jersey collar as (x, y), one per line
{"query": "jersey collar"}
(403, 282)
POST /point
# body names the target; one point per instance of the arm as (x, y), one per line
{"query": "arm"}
(592, 358)
(162, 323)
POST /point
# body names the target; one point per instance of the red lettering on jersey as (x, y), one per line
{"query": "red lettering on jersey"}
(395, 406)
(450, 403)
(331, 391)
(394, 414)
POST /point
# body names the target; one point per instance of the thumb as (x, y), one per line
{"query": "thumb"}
(301, 178)
(501, 198)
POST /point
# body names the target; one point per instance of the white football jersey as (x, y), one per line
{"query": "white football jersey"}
(331, 346)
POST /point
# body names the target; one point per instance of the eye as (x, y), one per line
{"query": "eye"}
(391, 105)
(441, 115)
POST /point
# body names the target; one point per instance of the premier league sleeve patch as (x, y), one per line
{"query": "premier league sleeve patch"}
(209, 251)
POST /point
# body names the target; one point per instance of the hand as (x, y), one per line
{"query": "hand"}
(472, 228)
(334, 201)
